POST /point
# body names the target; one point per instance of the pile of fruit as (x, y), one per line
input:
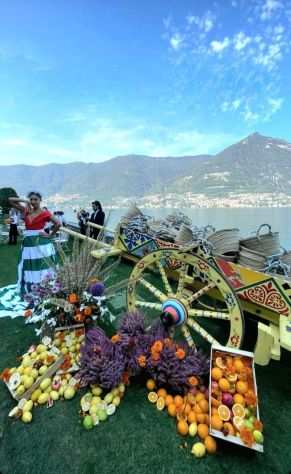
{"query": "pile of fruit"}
(234, 405)
(68, 343)
(191, 414)
(49, 390)
(95, 409)
(34, 364)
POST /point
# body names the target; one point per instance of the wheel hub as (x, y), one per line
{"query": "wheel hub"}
(175, 311)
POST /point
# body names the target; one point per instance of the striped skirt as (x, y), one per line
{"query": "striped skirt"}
(37, 260)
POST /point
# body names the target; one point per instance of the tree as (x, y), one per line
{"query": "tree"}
(6, 193)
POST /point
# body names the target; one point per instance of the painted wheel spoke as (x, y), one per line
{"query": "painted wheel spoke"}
(199, 329)
(201, 292)
(182, 279)
(148, 304)
(164, 277)
(187, 335)
(204, 313)
(157, 293)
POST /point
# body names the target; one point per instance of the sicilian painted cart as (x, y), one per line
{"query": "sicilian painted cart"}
(203, 296)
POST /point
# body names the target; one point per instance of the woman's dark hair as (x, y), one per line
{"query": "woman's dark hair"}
(98, 204)
(34, 193)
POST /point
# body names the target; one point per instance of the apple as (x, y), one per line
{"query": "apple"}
(258, 436)
(198, 449)
(69, 393)
(88, 422)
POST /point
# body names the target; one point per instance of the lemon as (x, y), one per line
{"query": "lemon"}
(28, 382)
(108, 398)
(96, 400)
(27, 370)
(27, 406)
(33, 355)
(40, 348)
(64, 350)
(193, 429)
(96, 390)
(34, 373)
(61, 391)
(54, 395)
(43, 355)
(198, 449)
(45, 383)
(160, 403)
(26, 417)
(42, 369)
(93, 410)
(20, 390)
(43, 398)
(116, 401)
(26, 362)
(69, 393)
(20, 369)
(35, 395)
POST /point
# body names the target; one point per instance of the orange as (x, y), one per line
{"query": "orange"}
(228, 429)
(216, 423)
(187, 408)
(169, 399)
(210, 444)
(214, 411)
(162, 392)
(224, 384)
(229, 362)
(200, 417)
(238, 364)
(199, 396)
(204, 405)
(151, 384)
(238, 398)
(216, 373)
(202, 430)
(238, 410)
(160, 403)
(207, 420)
(191, 417)
(172, 409)
(178, 400)
(223, 412)
(182, 427)
(153, 397)
(241, 387)
(214, 402)
(197, 409)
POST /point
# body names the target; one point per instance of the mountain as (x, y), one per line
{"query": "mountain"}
(255, 164)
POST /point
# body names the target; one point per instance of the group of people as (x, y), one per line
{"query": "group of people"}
(96, 217)
(38, 256)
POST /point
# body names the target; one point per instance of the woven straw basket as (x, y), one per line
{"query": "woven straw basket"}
(266, 244)
(225, 241)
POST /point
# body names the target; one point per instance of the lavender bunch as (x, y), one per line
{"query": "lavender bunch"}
(101, 360)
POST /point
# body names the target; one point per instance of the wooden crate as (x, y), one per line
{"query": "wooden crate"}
(233, 352)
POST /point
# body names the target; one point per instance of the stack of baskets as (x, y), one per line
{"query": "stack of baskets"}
(225, 243)
(255, 251)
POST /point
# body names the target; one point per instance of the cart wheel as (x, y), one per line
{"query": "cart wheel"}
(186, 291)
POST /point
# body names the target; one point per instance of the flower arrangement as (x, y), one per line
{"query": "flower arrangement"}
(133, 350)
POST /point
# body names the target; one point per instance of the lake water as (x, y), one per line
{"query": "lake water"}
(246, 219)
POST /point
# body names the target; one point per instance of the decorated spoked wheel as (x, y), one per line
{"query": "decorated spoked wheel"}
(187, 293)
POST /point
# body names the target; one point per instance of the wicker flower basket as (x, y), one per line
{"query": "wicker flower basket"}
(266, 244)
(251, 258)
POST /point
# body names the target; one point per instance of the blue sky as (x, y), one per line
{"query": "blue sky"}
(88, 80)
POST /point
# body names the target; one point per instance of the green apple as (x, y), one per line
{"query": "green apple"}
(69, 393)
(88, 422)
(102, 415)
(54, 395)
(258, 436)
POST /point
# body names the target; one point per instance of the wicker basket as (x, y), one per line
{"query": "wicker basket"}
(251, 258)
(266, 244)
(224, 241)
(185, 235)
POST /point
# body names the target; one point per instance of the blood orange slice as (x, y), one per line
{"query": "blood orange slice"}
(223, 412)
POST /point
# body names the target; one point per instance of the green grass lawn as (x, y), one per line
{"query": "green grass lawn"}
(138, 439)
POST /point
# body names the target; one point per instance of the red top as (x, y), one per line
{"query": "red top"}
(36, 222)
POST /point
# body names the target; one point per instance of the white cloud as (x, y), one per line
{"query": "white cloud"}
(176, 41)
(219, 46)
(250, 116)
(275, 104)
(205, 22)
(231, 106)
(241, 41)
(269, 8)
(236, 104)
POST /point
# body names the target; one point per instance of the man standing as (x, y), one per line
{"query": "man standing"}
(97, 217)
(13, 231)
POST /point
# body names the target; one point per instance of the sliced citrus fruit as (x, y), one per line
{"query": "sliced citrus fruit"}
(223, 412)
(153, 397)
(219, 362)
(161, 403)
(238, 422)
(232, 378)
(238, 410)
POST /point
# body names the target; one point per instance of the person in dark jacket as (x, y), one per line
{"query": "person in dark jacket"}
(97, 217)
(83, 217)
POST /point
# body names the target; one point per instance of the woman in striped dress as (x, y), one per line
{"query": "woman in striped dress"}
(37, 251)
